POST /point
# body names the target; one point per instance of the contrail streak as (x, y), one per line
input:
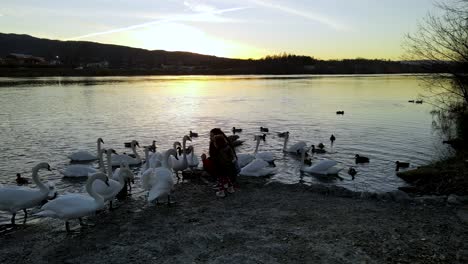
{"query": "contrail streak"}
(159, 21)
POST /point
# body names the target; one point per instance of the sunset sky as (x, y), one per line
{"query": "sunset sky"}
(325, 29)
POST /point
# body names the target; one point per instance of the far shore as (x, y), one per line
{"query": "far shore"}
(262, 222)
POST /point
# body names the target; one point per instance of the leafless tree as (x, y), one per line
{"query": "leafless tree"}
(441, 43)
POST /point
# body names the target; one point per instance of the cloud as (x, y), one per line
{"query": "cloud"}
(199, 7)
(305, 14)
(207, 16)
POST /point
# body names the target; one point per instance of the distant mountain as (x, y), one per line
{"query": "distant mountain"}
(82, 52)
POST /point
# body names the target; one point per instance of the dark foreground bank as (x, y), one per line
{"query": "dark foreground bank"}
(260, 223)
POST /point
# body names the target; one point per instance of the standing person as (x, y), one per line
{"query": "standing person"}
(222, 162)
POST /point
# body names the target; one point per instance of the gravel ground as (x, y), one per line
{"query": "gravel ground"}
(260, 223)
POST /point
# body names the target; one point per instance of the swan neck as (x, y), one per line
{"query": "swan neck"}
(91, 191)
(165, 159)
(109, 165)
(137, 157)
(285, 143)
(256, 147)
(101, 161)
(99, 148)
(184, 143)
(39, 183)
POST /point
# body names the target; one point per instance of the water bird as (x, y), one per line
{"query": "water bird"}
(180, 165)
(152, 147)
(340, 112)
(82, 170)
(332, 139)
(122, 158)
(86, 155)
(361, 159)
(258, 137)
(232, 138)
(317, 150)
(400, 164)
(21, 180)
(294, 149)
(14, 198)
(266, 156)
(257, 168)
(193, 134)
(75, 206)
(410, 101)
(322, 167)
(419, 101)
(282, 134)
(236, 130)
(264, 129)
(352, 171)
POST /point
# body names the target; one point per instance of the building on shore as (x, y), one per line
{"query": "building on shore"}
(24, 59)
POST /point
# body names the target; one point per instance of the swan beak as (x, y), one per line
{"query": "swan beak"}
(48, 168)
(102, 141)
(113, 151)
(137, 144)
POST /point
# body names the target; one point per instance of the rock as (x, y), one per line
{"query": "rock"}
(453, 199)
(409, 189)
(422, 173)
(463, 215)
(384, 196)
(367, 195)
(399, 196)
(430, 199)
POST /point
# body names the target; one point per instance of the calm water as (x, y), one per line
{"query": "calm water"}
(46, 119)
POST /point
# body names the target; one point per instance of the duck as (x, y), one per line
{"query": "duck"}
(264, 129)
(152, 147)
(352, 171)
(75, 206)
(236, 130)
(332, 139)
(294, 149)
(282, 134)
(410, 101)
(419, 101)
(15, 198)
(262, 137)
(21, 180)
(82, 155)
(340, 112)
(400, 164)
(322, 167)
(317, 150)
(193, 134)
(122, 158)
(361, 159)
(159, 181)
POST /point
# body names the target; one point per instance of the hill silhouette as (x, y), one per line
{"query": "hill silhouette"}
(124, 60)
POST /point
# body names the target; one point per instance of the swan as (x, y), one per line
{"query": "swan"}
(159, 181)
(72, 206)
(266, 156)
(257, 168)
(15, 198)
(81, 170)
(86, 155)
(108, 190)
(322, 167)
(122, 158)
(126, 173)
(180, 165)
(192, 158)
(294, 149)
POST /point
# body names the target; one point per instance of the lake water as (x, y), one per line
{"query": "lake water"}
(46, 119)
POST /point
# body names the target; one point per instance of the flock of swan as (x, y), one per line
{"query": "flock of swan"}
(156, 176)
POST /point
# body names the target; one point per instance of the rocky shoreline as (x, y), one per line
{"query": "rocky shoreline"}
(262, 222)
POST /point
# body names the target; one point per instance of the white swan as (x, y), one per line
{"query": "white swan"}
(266, 156)
(180, 164)
(294, 149)
(192, 158)
(322, 167)
(72, 206)
(159, 181)
(15, 198)
(108, 190)
(257, 168)
(122, 158)
(126, 174)
(81, 170)
(86, 155)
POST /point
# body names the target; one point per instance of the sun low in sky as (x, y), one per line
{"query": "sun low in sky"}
(325, 29)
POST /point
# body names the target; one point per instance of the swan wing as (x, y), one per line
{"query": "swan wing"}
(162, 186)
(334, 170)
(266, 156)
(244, 158)
(296, 147)
(82, 156)
(107, 192)
(70, 206)
(78, 170)
(322, 167)
(257, 168)
(15, 198)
